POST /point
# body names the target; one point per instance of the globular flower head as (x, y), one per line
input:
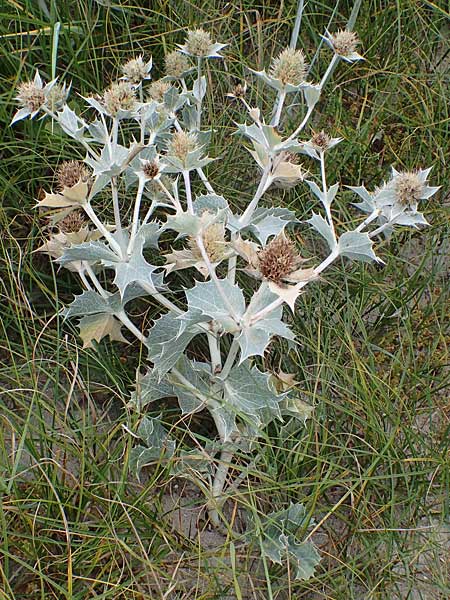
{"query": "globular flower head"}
(344, 44)
(30, 95)
(119, 97)
(57, 96)
(157, 90)
(199, 44)
(176, 64)
(181, 144)
(278, 259)
(150, 169)
(239, 91)
(320, 140)
(289, 67)
(214, 241)
(73, 222)
(70, 172)
(408, 187)
(136, 70)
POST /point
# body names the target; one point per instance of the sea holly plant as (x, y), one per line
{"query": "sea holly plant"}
(138, 217)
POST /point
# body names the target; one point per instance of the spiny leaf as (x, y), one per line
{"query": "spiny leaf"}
(96, 327)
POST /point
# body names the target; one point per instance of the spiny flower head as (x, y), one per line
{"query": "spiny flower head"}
(199, 42)
(408, 188)
(57, 96)
(181, 144)
(214, 241)
(157, 90)
(150, 169)
(30, 95)
(119, 96)
(320, 140)
(73, 222)
(289, 67)
(278, 259)
(136, 70)
(176, 64)
(238, 91)
(70, 172)
(344, 42)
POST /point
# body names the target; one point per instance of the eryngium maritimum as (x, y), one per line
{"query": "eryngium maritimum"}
(70, 172)
(278, 259)
(136, 70)
(119, 96)
(289, 67)
(176, 64)
(181, 144)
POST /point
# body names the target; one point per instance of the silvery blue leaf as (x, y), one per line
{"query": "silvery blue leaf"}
(111, 161)
(158, 444)
(367, 205)
(148, 235)
(211, 203)
(98, 132)
(312, 94)
(199, 88)
(165, 344)
(88, 303)
(22, 113)
(135, 270)
(270, 221)
(411, 219)
(357, 246)
(89, 252)
(279, 531)
(149, 388)
(199, 381)
(322, 227)
(189, 114)
(68, 121)
(206, 298)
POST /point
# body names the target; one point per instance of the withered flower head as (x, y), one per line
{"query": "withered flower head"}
(278, 259)
(176, 64)
(150, 168)
(239, 90)
(119, 96)
(57, 96)
(320, 140)
(135, 70)
(157, 90)
(344, 42)
(73, 222)
(181, 144)
(289, 67)
(408, 188)
(198, 42)
(214, 242)
(70, 172)
(30, 95)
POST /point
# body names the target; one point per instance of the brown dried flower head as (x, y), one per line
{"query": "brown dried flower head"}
(73, 222)
(135, 70)
(198, 42)
(320, 140)
(150, 169)
(157, 90)
(176, 64)
(289, 67)
(408, 188)
(278, 259)
(344, 42)
(30, 95)
(119, 96)
(70, 172)
(239, 90)
(181, 144)
(214, 242)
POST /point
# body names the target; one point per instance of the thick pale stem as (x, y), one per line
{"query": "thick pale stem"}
(325, 192)
(234, 349)
(174, 201)
(217, 500)
(329, 71)
(199, 102)
(123, 317)
(296, 28)
(98, 286)
(264, 184)
(214, 350)
(279, 108)
(375, 214)
(160, 298)
(135, 221)
(187, 183)
(106, 234)
(117, 219)
(302, 124)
